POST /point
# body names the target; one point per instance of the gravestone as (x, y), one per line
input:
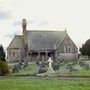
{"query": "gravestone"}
(87, 67)
(24, 65)
(41, 67)
(15, 68)
(50, 69)
(62, 71)
(69, 68)
(73, 68)
(55, 66)
(19, 65)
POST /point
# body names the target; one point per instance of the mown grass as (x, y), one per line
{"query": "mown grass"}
(37, 84)
(27, 83)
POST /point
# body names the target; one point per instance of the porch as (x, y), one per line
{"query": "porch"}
(40, 55)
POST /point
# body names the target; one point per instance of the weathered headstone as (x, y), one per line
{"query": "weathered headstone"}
(62, 71)
(15, 68)
(42, 68)
(19, 65)
(55, 66)
(69, 68)
(24, 65)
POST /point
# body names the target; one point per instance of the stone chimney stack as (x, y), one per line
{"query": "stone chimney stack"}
(24, 24)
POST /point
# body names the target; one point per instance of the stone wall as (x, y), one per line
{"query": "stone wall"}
(68, 56)
(15, 54)
(67, 46)
(67, 49)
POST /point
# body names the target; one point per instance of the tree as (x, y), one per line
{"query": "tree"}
(4, 69)
(85, 49)
(2, 53)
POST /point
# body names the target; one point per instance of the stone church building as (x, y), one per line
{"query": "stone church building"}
(35, 45)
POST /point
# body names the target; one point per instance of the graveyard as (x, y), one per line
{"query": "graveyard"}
(66, 76)
(47, 75)
(52, 74)
(62, 68)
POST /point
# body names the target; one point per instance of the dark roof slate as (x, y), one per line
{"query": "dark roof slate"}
(17, 42)
(44, 40)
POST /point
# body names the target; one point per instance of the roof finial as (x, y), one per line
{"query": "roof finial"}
(65, 30)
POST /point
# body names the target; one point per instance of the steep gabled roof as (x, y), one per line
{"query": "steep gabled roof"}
(44, 40)
(17, 42)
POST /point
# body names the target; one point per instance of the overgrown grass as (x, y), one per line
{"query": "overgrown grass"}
(31, 68)
(32, 84)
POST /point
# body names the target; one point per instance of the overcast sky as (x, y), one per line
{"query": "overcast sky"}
(74, 15)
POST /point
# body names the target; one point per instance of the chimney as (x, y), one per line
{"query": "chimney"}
(65, 30)
(24, 24)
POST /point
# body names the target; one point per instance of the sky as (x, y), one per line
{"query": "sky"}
(74, 15)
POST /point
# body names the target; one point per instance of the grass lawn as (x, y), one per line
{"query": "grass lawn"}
(38, 84)
(27, 83)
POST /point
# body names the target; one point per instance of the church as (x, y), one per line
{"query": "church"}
(38, 45)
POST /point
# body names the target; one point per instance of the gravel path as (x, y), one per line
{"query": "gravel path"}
(60, 78)
(70, 78)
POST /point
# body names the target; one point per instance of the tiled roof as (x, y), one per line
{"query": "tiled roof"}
(17, 42)
(44, 40)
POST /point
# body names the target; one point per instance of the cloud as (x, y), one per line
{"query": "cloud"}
(1, 7)
(4, 15)
(43, 23)
(12, 34)
(18, 23)
(30, 21)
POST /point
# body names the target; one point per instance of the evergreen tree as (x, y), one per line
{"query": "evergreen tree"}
(4, 69)
(85, 50)
(2, 53)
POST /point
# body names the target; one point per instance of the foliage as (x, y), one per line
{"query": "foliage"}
(85, 50)
(4, 69)
(2, 53)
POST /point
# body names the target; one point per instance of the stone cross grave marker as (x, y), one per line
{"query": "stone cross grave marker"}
(50, 64)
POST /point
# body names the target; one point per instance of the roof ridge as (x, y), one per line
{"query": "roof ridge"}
(44, 31)
(18, 35)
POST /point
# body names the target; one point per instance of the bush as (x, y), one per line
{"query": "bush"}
(2, 53)
(4, 69)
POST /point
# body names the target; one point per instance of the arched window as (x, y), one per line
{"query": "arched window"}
(67, 49)
(13, 54)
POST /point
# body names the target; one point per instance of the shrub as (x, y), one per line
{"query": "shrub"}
(4, 69)
(2, 53)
